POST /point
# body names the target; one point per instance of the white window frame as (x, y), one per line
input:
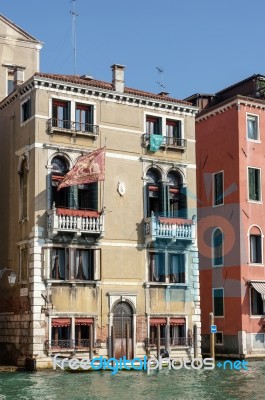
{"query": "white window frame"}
(262, 246)
(258, 130)
(164, 122)
(260, 178)
(218, 288)
(23, 122)
(213, 188)
(219, 265)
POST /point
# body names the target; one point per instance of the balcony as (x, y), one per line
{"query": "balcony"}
(75, 221)
(169, 228)
(172, 342)
(73, 345)
(74, 128)
(168, 142)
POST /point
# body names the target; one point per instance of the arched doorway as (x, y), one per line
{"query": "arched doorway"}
(122, 323)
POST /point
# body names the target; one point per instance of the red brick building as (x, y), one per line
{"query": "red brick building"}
(230, 151)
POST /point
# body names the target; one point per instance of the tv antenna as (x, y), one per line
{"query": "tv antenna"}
(160, 70)
(74, 14)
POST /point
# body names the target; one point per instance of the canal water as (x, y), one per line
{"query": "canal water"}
(215, 384)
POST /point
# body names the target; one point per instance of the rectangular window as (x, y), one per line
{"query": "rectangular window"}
(252, 127)
(254, 187)
(79, 264)
(61, 114)
(177, 268)
(256, 302)
(218, 188)
(218, 302)
(10, 81)
(255, 249)
(84, 118)
(258, 341)
(23, 263)
(26, 110)
(153, 125)
(157, 267)
(219, 339)
(173, 132)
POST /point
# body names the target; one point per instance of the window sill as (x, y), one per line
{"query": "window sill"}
(256, 264)
(218, 266)
(167, 285)
(255, 201)
(73, 282)
(258, 316)
(253, 140)
(217, 205)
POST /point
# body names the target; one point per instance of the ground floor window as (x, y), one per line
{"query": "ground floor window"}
(61, 332)
(257, 303)
(172, 332)
(258, 340)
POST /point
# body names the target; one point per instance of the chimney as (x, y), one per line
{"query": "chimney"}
(18, 76)
(118, 77)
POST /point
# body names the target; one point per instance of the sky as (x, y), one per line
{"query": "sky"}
(201, 46)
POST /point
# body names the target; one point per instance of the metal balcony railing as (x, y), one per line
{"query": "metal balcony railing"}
(168, 142)
(173, 342)
(73, 127)
(70, 344)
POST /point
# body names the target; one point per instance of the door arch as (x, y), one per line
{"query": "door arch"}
(122, 318)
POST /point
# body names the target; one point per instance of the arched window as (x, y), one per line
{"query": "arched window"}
(81, 197)
(60, 167)
(176, 199)
(218, 247)
(255, 245)
(24, 189)
(154, 195)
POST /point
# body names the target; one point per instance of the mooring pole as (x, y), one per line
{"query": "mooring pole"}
(112, 341)
(195, 333)
(91, 341)
(127, 340)
(158, 341)
(212, 349)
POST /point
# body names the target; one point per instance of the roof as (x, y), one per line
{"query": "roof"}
(255, 76)
(26, 35)
(80, 80)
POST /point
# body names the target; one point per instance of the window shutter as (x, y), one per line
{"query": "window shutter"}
(251, 183)
(73, 197)
(97, 264)
(46, 262)
(182, 207)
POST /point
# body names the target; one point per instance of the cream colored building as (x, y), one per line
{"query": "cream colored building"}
(109, 268)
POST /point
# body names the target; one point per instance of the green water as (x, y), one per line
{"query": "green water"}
(182, 385)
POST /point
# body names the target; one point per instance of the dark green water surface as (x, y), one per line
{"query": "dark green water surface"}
(182, 384)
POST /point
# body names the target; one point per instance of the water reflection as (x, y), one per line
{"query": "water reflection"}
(181, 385)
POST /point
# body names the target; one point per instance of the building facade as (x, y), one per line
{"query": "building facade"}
(230, 161)
(108, 268)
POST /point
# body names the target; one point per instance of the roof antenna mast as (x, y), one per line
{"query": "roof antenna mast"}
(74, 14)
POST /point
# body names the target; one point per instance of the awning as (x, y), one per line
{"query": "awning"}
(84, 321)
(177, 321)
(60, 322)
(259, 286)
(158, 321)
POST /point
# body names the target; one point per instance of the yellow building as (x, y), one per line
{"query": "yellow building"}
(107, 268)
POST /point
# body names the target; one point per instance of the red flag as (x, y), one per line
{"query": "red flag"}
(89, 168)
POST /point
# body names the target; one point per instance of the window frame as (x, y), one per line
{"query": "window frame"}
(70, 254)
(24, 119)
(213, 299)
(213, 248)
(215, 204)
(251, 290)
(260, 185)
(221, 333)
(250, 247)
(249, 115)
(163, 123)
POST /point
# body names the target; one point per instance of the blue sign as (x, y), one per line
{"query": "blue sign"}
(213, 328)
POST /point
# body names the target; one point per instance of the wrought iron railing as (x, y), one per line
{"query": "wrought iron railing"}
(168, 141)
(74, 127)
(173, 342)
(70, 344)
